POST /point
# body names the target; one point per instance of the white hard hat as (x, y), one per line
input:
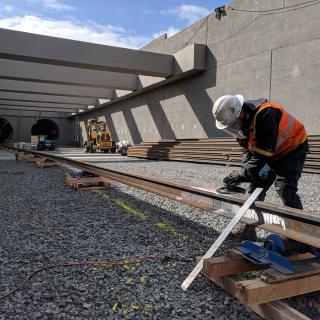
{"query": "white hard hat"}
(227, 109)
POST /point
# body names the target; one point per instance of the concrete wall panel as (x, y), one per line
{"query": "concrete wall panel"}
(249, 76)
(144, 120)
(122, 128)
(242, 34)
(183, 104)
(242, 49)
(22, 123)
(157, 45)
(73, 131)
(195, 33)
(149, 116)
(64, 127)
(25, 125)
(295, 81)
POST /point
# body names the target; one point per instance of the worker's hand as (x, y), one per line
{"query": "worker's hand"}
(234, 178)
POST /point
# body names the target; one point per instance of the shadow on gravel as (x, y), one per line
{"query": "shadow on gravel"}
(197, 238)
(174, 220)
(45, 221)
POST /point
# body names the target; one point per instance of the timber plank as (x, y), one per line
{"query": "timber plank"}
(257, 291)
(88, 183)
(223, 266)
(302, 270)
(278, 310)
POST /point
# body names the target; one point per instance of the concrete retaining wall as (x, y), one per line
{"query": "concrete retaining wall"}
(23, 121)
(276, 56)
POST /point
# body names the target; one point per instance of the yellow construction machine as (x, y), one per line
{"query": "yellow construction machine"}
(99, 137)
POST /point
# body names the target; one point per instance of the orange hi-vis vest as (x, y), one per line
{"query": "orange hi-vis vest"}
(290, 135)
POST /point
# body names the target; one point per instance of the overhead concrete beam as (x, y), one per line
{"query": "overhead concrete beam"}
(18, 96)
(41, 104)
(191, 58)
(188, 61)
(19, 108)
(30, 47)
(53, 89)
(38, 72)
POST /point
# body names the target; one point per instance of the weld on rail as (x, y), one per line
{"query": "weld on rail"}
(296, 224)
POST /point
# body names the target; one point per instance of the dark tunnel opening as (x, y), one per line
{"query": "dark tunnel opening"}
(46, 127)
(6, 130)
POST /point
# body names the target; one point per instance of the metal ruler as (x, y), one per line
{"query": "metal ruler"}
(186, 283)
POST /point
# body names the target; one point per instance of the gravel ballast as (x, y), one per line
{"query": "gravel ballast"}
(193, 174)
(44, 221)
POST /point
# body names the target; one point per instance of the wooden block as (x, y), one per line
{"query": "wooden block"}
(278, 310)
(32, 158)
(256, 291)
(301, 270)
(22, 155)
(223, 266)
(46, 164)
(88, 183)
(264, 298)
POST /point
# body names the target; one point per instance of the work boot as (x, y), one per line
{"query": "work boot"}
(245, 232)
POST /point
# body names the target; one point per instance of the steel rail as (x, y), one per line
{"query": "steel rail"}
(296, 224)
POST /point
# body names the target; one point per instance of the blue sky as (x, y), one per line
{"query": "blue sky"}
(123, 23)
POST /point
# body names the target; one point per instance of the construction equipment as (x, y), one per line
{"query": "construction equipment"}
(41, 142)
(275, 253)
(46, 144)
(35, 139)
(99, 137)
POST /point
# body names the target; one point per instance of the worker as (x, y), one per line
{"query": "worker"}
(274, 146)
(122, 147)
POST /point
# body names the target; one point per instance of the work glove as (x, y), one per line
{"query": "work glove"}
(234, 178)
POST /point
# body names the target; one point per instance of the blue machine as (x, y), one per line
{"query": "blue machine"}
(274, 252)
(83, 174)
(46, 145)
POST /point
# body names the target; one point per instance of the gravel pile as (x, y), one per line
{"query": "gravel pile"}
(43, 221)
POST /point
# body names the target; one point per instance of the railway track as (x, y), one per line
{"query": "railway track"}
(295, 224)
(264, 297)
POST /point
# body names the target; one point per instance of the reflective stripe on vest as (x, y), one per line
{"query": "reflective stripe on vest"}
(285, 133)
(288, 139)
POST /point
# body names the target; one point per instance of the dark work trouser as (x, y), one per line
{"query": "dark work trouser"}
(286, 173)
